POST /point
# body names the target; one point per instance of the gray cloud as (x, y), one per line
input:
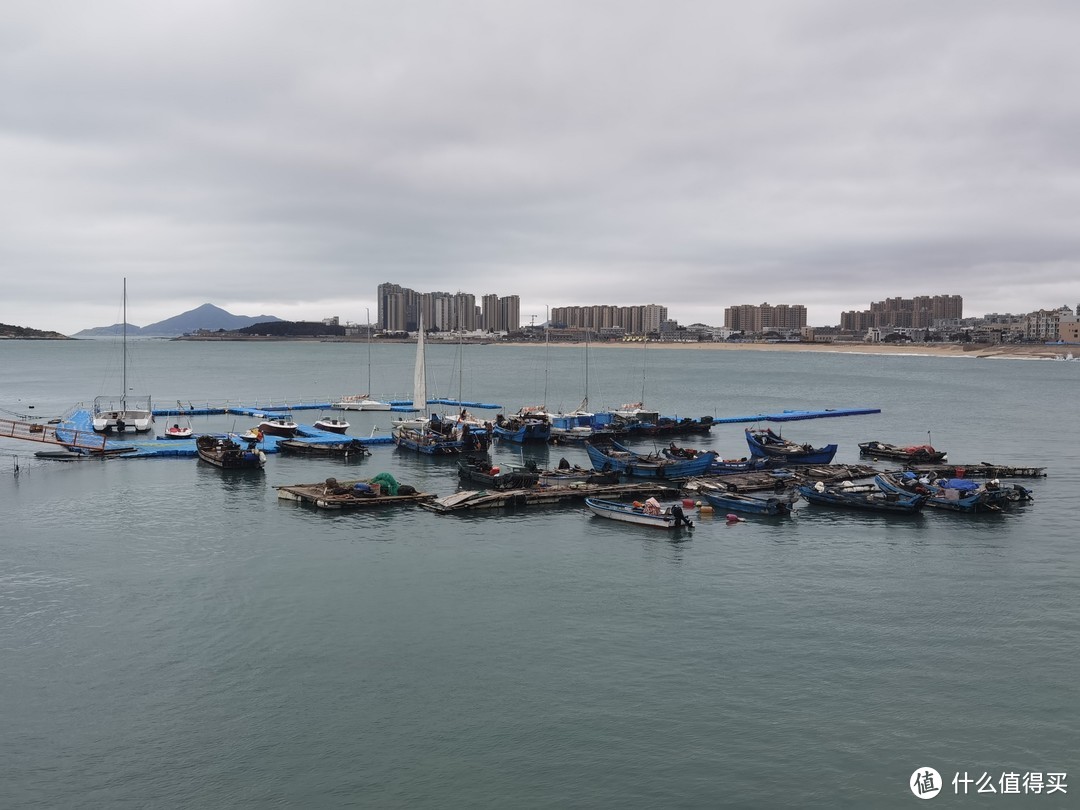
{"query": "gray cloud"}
(277, 159)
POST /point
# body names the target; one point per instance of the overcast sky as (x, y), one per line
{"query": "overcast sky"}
(286, 158)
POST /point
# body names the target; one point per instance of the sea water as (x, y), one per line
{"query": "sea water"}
(175, 636)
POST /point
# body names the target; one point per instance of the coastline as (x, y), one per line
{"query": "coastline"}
(991, 351)
(977, 350)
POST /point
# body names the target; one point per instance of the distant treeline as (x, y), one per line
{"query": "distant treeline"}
(7, 331)
(293, 329)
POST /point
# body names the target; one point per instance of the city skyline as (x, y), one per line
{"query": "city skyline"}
(699, 156)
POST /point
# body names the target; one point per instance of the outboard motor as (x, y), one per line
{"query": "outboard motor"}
(680, 518)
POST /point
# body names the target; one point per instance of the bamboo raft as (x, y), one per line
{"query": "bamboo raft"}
(538, 496)
(329, 497)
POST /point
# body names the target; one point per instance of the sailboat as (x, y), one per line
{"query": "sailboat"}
(363, 402)
(125, 412)
(433, 435)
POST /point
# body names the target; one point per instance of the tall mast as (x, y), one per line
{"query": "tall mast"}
(547, 355)
(123, 373)
(644, 356)
(368, 311)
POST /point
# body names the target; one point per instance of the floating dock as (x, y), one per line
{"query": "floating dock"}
(795, 416)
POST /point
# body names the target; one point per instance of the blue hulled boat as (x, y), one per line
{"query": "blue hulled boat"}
(954, 494)
(737, 502)
(527, 425)
(767, 444)
(862, 496)
(622, 459)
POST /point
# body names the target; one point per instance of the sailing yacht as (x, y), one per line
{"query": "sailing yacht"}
(126, 412)
(363, 402)
(430, 434)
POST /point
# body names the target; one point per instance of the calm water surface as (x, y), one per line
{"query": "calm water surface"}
(173, 636)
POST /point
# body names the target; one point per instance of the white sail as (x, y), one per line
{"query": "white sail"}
(420, 372)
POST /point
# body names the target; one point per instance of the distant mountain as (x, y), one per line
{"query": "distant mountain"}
(206, 317)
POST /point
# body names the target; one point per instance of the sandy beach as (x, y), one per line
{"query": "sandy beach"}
(973, 350)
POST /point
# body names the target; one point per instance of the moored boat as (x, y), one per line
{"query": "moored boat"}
(331, 425)
(344, 450)
(620, 458)
(279, 426)
(915, 454)
(953, 494)
(177, 431)
(649, 513)
(767, 444)
(227, 454)
(779, 504)
(481, 471)
(360, 402)
(862, 496)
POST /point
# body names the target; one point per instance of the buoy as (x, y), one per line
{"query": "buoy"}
(735, 518)
(688, 503)
(705, 510)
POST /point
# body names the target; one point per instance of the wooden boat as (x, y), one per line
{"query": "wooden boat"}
(344, 450)
(382, 490)
(737, 502)
(176, 431)
(621, 459)
(567, 475)
(279, 426)
(670, 518)
(441, 438)
(227, 454)
(862, 496)
(481, 471)
(916, 454)
(767, 444)
(726, 466)
(331, 425)
(953, 494)
(527, 425)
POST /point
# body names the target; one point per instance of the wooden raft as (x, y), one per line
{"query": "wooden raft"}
(535, 496)
(321, 496)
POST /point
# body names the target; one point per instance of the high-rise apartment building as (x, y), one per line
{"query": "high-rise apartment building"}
(921, 312)
(764, 318)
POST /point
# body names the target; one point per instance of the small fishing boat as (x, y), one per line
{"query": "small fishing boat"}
(862, 496)
(343, 450)
(331, 425)
(227, 454)
(649, 513)
(767, 444)
(622, 459)
(953, 494)
(279, 426)
(566, 475)
(527, 425)
(914, 454)
(737, 502)
(481, 471)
